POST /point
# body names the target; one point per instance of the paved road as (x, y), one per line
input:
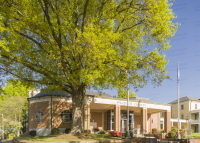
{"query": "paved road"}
(6, 141)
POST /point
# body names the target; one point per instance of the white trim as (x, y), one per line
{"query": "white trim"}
(40, 100)
(176, 120)
(131, 104)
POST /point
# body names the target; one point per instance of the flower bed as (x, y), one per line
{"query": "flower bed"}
(115, 133)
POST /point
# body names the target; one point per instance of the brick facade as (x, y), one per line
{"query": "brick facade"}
(44, 107)
(142, 118)
(167, 121)
(58, 107)
(117, 118)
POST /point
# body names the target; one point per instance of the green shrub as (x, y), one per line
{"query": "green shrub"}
(182, 130)
(32, 133)
(61, 133)
(123, 137)
(192, 131)
(36, 137)
(102, 132)
(161, 131)
(87, 131)
(174, 129)
(130, 132)
(67, 130)
(154, 130)
(108, 136)
(55, 131)
(171, 134)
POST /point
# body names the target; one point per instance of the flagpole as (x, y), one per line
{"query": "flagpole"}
(178, 99)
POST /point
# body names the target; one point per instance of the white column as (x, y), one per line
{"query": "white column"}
(199, 128)
(180, 125)
(163, 125)
(190, 121)
(199, 116)
(172, 123)
(147, 125)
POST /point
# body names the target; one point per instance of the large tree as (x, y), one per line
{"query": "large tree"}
(73, 45)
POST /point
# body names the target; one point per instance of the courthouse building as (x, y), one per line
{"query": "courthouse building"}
(48, 110)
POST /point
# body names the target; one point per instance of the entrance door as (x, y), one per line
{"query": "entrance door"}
(123, 125)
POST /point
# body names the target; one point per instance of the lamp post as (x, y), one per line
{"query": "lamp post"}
(127, 126)
(2, 127)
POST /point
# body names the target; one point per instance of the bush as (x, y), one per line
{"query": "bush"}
(182, 130)
(161, 131)
(67, 130)
(32, 133)
(192, 131)
(102, 132)
(55, 131)
(154, 130)
(115, 133)
(171, 134)
(61, 133)
(174, 129)
(36, 137)
(87, 131)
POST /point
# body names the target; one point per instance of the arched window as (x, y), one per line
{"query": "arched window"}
(39, 116)
(66, 116)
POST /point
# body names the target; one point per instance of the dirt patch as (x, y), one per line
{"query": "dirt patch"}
(73, 137)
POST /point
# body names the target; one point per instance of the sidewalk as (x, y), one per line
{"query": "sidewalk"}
(6, 141)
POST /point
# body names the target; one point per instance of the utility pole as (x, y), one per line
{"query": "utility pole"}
(178, 75)
(127, 126)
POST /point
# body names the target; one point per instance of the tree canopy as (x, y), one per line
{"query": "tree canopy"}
(14, 104)
(77, 44)
(122, 93)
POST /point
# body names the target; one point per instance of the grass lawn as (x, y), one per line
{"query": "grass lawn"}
(51, 138)
(194, 135)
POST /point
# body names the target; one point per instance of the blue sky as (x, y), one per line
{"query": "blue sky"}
(185, 49)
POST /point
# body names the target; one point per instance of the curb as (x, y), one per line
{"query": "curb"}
(18, 140)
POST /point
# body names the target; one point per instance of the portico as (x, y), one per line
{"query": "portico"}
(112, 114)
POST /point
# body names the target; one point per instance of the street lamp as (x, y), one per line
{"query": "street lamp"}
(2, 127)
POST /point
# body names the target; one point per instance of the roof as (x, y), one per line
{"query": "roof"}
(186, 98)
(63, 93)
(139, 98)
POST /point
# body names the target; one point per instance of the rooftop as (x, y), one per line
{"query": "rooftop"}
(64, 94)
(186, 98)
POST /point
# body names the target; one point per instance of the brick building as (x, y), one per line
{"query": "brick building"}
(48, 110)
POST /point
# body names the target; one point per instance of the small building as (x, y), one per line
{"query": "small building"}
(48, 110)
(189, 113)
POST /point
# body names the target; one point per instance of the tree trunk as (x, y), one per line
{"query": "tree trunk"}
(77, 100)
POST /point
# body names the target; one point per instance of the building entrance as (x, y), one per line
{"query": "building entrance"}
(123, 125)
(124, 120)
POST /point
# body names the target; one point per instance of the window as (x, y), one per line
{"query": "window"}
(66, 116)
(182, 127)
(182, 107)
(152, 120)
(195, 116)
(195, 106)
(162, 114)
(32, 94)
(182, 116)
(39, 116)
